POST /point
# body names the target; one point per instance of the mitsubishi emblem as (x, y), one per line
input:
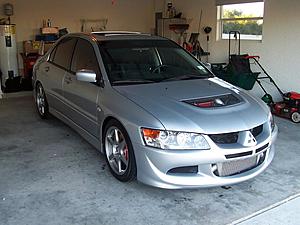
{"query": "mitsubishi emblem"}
(247, 139)
(251, 139)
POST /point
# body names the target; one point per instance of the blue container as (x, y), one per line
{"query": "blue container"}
(46, 37)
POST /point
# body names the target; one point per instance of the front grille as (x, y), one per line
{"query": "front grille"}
(231, 138)
(257, 130)
(228, 138)
(242, 154)
(261, 148)
(235, 167)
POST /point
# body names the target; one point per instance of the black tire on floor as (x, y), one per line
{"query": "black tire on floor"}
(130, 171)
(41, 101)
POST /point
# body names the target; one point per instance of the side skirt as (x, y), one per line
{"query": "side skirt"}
(85, 134)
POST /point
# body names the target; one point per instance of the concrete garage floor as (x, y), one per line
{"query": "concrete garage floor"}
(50, 175)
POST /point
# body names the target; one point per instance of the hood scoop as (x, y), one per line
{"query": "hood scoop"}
(215, 101)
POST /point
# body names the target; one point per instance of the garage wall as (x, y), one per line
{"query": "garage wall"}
(134, 15)
(127, 15)
(279, 49)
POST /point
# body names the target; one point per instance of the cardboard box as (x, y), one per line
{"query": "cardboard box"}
(49, 30)
(30, 47)
(33, 47)
(48, 45)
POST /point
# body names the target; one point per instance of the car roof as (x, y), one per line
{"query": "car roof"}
(117, 35)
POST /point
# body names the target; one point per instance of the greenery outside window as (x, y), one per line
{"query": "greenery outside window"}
(247, 18)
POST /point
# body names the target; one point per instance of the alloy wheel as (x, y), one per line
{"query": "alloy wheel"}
(41, 100)
(116, 150)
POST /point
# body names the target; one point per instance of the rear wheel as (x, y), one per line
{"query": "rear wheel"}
(118, 152)
(295, 117)
(41, 101)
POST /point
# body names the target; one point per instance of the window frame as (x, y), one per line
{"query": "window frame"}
(220, 24)
(52, 54)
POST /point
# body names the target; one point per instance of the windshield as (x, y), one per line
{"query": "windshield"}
(148, 61)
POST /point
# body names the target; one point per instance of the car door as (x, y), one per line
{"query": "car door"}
(82, 97)
(54, 71)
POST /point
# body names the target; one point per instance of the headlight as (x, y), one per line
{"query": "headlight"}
(272, 122)
(174, 139)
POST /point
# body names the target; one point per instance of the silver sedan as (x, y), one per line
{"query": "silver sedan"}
(155, 112)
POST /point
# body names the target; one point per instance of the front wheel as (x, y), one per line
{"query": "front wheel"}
(118, 152)
(295, 117)
(41, 101)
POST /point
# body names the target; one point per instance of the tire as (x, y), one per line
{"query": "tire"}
(41, 101)
(118, 151)
(295, 117)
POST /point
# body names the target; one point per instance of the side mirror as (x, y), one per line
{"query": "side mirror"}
(86, 76)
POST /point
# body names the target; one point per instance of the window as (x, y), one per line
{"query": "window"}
(63, 53)
(148, 61)
(247, 18)
(177, 58)
(84, 57)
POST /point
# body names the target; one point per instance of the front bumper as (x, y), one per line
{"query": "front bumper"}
(153, 165)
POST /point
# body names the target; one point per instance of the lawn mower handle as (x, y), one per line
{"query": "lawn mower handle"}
(252, 57)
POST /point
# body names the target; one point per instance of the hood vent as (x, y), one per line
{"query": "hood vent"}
(216, 101)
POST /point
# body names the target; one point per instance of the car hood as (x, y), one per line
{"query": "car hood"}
(166, 102)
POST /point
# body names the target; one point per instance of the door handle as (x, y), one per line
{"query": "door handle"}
(47, 68)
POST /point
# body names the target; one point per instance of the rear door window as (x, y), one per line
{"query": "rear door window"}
(63, 53)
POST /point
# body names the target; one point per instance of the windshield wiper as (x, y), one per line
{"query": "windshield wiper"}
(135, 81)
(184, 77)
